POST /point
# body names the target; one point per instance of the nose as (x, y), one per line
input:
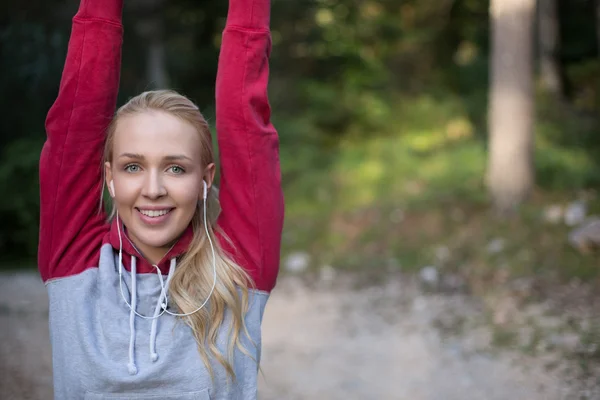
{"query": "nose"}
(154, 187)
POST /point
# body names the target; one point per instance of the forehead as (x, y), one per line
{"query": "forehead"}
(155, 134)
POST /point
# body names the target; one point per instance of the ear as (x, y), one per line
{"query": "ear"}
(209, 175)
(108, 177)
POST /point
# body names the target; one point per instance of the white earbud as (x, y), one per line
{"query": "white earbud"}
(205, 192)
(111, 186)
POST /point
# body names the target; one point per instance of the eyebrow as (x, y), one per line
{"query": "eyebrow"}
(132, 155)
(173, 157)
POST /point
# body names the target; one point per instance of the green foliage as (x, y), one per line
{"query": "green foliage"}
(390, 200)
(19, 205)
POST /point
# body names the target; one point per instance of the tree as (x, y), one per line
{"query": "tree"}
(150, 27)
(510, 175)
(548, 39)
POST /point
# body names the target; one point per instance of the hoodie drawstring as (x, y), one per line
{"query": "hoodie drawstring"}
(132, 368)
(157, 312)
(160, 304)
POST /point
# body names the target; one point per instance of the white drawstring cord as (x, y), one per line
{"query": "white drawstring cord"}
(159, 304)
(162, 288)
(132, 368)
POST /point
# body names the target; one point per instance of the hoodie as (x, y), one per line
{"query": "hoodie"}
(110, 337)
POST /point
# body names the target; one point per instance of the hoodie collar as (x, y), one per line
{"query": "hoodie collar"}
(143, 266)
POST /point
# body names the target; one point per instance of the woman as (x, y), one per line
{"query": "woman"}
(161, 302)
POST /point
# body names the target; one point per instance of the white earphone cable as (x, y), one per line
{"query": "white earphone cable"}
(164, 287)
(214, 267)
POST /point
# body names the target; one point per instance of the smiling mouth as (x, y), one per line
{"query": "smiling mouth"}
(154, 213)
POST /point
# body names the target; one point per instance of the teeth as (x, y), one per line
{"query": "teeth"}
(154, 213)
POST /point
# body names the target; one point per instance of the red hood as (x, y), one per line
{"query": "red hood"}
(143, 266)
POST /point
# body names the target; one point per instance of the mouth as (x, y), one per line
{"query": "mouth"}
(154, 216)
(154, 213)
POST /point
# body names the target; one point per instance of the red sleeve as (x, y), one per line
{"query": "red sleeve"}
(250, 188)
(71, 228)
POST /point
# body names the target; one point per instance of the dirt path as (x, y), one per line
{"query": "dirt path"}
(322, 342)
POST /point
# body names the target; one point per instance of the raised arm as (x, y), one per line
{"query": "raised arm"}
(71, 229)
(250, 192)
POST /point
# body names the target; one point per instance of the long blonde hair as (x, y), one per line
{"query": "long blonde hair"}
(192, 280)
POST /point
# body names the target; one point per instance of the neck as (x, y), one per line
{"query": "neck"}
(153, 255)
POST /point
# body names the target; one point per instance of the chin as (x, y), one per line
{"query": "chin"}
(157, 239)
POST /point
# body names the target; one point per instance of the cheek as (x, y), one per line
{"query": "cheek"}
(126, 192)
(185, 194)
(187, 204)
(187, 199)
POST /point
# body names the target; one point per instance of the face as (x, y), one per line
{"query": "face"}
(157, 172)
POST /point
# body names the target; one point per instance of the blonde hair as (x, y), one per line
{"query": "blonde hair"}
(192, 280)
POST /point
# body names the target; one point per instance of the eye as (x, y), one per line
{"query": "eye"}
(132, 168)
(176, 169)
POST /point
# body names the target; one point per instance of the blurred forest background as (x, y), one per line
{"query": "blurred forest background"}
(453, 137)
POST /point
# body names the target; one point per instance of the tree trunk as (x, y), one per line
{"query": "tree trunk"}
(548, 37)
(156, 62)
(510, 174)
(150, 27)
